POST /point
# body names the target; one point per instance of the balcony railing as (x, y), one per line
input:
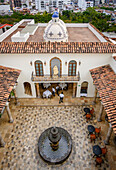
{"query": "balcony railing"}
(63, 77)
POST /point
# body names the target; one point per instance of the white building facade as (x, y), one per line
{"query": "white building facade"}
(26, 63)
(83, 4)
(45, 5)
(36, 60)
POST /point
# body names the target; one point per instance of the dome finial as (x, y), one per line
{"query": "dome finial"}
(55, 15)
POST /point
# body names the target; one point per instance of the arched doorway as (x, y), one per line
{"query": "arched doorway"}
(55, 62)
(27, 88)
(84, 88)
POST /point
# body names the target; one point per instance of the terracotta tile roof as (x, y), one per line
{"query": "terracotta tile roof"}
(57, 47)
(8, 77)
(114, 57)
(104, 79)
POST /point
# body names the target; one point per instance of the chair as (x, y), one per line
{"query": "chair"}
(92, 137)
(88, 116)
(92, 112)
(97, 132)
(43, 96)
(104, 151)
(98, 161)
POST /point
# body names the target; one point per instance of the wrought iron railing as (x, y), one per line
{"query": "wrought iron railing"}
(48, 77)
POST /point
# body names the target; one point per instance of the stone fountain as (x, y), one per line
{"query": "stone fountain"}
(55, 145)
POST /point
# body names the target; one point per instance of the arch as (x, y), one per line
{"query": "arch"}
(72, 67)
(38, 68)
(27, 88)
(84, 87)
(56, 61)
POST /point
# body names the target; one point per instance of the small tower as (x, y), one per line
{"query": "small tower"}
(55, 17)
(55, 30)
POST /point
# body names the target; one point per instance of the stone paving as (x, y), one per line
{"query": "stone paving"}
(21, 150)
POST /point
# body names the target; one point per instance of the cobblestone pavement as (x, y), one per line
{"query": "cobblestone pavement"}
(22, 148)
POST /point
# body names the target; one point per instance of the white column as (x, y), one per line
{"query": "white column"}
(2, 143)
(74, 89)
(33, 90)
(9, 113)
(100, 112)
(108, 135)
(78, 89)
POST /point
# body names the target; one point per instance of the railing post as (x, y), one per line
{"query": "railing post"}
(32, 76)
(78, 76)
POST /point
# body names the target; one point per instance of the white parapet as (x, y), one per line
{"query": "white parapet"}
(12, 29)
(97, 34)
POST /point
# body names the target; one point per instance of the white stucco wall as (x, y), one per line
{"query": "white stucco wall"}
(113, 63)
(18, 37)
(22, 62)
(12, 29)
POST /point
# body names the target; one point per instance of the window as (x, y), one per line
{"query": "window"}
(39, 68)
(27, 88)
(42, 4)
(72, 68)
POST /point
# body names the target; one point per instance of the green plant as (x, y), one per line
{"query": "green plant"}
(12, 93)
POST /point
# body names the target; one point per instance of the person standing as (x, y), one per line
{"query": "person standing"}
(53, 91)
(61, 97)
(57, 90)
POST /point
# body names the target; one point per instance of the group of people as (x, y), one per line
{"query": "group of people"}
(57, 91)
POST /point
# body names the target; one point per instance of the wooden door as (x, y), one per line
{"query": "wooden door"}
(39, 68)
(72, 68)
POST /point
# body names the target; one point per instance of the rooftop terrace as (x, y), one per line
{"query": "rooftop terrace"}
(76, 32)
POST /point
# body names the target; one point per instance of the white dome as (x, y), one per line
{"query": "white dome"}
(55, 30)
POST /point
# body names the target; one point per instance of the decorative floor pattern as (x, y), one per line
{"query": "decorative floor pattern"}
(22, 148)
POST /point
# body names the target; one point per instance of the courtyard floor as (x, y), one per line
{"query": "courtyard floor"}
(33, 116)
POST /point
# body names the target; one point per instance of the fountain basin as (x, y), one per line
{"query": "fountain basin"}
(63, 151)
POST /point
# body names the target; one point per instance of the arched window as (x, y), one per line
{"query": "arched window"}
(55, 62)
(39, 68)
(27, 88)
(84, 87)
(72, 68)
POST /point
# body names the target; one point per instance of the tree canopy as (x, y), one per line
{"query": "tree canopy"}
(99, 20)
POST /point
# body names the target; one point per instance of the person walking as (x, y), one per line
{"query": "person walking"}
(57, 90)
(61, 97)
(53, 91)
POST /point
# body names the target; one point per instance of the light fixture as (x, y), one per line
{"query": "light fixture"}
(45, 63)
(79, 62)
(65, 62)
(31, 63)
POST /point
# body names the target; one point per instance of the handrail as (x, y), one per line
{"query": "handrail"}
(48, 77)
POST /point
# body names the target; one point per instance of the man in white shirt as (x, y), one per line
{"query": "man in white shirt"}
(53, 91)
(61, 97)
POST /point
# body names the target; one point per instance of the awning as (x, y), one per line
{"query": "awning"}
(8, 78)
(104, 80)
